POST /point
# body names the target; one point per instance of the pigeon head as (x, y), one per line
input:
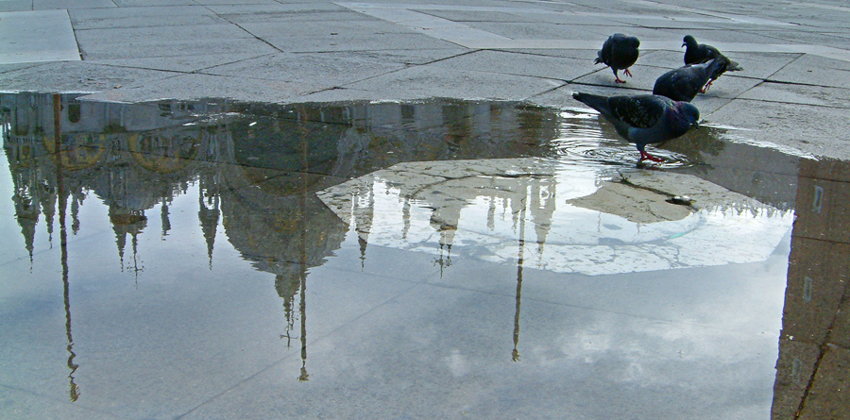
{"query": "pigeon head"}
(689, 42)
(689, 113)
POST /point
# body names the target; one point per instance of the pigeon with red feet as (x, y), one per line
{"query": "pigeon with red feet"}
(696, 53)
(619, 52)
(644, 119)
(684, 83)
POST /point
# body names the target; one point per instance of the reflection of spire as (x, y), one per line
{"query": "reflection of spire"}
(519, 263)
(287, 287)
(76, 200)
(405, 216)
(208, 214)
(444, 219)
(542, 208)
(491, 212)
(27, 216)
(165, 222)
(47, 198)
(363, 210)
(126, 222)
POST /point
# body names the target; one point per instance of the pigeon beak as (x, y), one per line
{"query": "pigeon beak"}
(684, 43)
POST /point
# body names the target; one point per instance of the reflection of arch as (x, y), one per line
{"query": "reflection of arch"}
(163, 154)
(78, 150)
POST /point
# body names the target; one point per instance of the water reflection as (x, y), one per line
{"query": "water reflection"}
(290, 186)
(814, 347)
(586, 219)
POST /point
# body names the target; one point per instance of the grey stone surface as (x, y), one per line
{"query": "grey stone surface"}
(421, 83)
(46, 35)
(77, 76)
(628, 346)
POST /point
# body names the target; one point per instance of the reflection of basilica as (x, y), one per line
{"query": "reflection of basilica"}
(257, 168)
(135, 157)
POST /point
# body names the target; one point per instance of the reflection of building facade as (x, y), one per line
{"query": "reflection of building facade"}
(813, 370)
(137, 157)
(256, 167)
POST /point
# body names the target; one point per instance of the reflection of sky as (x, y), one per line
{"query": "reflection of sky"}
(480, 215)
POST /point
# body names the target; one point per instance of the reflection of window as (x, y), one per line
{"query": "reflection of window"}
(74, 113)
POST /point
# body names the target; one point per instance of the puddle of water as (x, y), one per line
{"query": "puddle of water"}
(201, 248)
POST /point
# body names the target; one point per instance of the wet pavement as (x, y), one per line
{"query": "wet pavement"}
(398, 211)
(363, 260)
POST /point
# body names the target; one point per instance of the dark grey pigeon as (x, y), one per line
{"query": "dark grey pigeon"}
(619, 52)
(696, 53)
(644, 119)
(684, 83)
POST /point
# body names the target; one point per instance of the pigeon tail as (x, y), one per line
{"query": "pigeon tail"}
(599, 103)
(733, 66)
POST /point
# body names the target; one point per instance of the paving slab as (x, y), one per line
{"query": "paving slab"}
(813, 70)
(37, 36)
(93, 49)
(76, 76)
(325, 70)
(197, 86)
(366, 42)
(142, 17)
(421, 83)
(338, 29)
(16, 6)
(517, 64)
(797, 94)
(812, 129)
(181, 64)
(71, 4)
(828, 395)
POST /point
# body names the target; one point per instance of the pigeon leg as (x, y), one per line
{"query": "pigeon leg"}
(617, 77)
(644, 155)
(627, 72)
(705, 88)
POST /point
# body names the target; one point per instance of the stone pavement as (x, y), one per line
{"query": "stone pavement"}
(792, 92)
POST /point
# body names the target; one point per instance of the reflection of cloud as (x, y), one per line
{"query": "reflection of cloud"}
(457, 363)
(602, 227)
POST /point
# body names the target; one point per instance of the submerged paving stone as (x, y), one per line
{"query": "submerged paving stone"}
(423, 207)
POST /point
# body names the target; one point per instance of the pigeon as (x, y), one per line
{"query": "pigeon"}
(619, 52)
(696, 53)
(684, 83)
(644, 119)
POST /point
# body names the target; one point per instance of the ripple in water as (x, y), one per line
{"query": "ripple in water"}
(583, 140)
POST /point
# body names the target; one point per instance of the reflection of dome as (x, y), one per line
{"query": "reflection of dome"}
(279, 228)
(77, 150)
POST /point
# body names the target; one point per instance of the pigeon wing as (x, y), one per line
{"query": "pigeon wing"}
(643, 111)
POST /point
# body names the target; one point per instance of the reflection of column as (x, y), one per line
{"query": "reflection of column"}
(519, 263)
(74, 392)
(812, 375)
(302, 222)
